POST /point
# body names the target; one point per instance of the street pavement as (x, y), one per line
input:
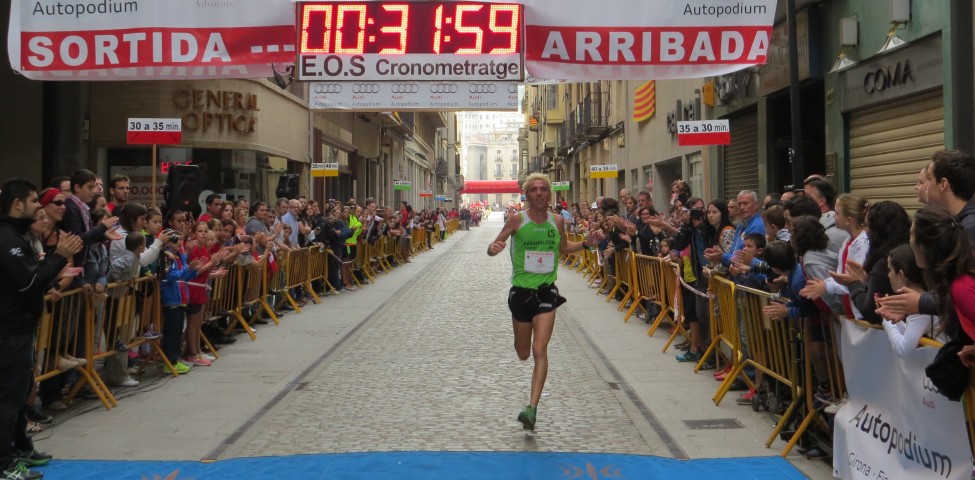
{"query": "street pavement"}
(423, 360)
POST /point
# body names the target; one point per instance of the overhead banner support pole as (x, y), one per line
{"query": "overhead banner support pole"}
(798, 163)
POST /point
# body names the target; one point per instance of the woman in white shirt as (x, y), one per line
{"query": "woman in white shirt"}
(851, 210)
(904, 272)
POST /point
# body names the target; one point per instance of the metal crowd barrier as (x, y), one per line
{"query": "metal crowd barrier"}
(777, 349)
(646, 285)
(97, 326)
(671, 299)
(623, 263)
(771, 346)
(65, 332)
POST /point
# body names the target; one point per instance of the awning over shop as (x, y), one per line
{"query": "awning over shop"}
(490, 186)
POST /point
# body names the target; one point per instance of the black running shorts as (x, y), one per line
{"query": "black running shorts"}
(525, 303)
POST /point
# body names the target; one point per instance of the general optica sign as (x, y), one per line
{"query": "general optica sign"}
(564, 39)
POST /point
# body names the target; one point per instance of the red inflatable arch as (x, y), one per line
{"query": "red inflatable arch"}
(490, 186)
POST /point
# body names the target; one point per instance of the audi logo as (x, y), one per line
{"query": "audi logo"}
(483, 88)
(404, 88)
(513, 88)
(443, 88)
(365, 88)
(328, 88)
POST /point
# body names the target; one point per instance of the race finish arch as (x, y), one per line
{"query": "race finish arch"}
(490, 186)
(571, 40)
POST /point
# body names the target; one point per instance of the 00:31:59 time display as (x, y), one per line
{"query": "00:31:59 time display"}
(463, 28)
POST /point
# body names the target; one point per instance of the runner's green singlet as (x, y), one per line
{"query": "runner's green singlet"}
(534, 253)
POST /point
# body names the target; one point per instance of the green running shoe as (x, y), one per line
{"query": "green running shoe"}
(527, 417)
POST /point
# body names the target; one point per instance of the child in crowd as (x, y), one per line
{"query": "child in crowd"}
(744, 275)
(95, 279)
(154, 225)
(775, 229)
(175, 272)
(200, 250)
(904, 273)
(96, 266)
(664, 251)
(124, 268)
(781, 259)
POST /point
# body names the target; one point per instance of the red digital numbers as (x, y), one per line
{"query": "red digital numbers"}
(164, 166)
(463, 28)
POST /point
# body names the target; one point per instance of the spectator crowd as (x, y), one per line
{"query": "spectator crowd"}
(823, 255)
(79, 235)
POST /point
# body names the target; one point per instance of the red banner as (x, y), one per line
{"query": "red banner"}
(153, 138)
(709, 138)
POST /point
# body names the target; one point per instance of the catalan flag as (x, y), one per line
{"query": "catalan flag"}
(645, 101)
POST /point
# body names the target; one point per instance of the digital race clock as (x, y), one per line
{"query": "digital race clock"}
(410, 41)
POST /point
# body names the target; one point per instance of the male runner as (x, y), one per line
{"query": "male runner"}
(538, 240)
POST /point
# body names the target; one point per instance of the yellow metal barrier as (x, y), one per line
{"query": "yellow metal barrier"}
(253, 279)
(670, 300)
(623, 264)
(65, 331)
(299, 276)
(772, 348)
(646, 284)
(728, 332)
(362, 264)
(274, 282)
(679, 311)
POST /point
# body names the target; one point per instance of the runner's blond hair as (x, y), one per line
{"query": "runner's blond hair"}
(536, 176)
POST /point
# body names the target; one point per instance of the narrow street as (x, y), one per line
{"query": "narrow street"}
(422, 361)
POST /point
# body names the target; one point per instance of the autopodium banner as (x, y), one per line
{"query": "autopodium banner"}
(895, 425)
(564, 39)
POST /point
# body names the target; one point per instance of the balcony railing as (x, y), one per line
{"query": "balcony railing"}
(587, 123)
(593, 120)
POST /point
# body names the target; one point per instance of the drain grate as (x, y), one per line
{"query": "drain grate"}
(713, 424)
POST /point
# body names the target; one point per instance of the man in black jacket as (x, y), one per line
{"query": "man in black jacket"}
(23, 282)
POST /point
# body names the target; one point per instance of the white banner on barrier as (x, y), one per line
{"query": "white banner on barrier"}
(564, 39)
(895, 425)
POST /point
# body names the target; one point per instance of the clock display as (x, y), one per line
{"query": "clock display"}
(362, 28)
(382, 41)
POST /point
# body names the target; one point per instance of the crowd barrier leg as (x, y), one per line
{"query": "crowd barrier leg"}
(811, 412)
(668, 286)
(679, 330)
(303, 274)
(152, 318)
(87, 371)
(728, 333)
(367, 259)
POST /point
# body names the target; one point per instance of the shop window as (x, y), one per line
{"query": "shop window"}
(695, 175)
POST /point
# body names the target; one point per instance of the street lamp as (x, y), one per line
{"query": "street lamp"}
(848, 40)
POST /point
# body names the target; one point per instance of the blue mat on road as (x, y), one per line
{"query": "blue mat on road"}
(432, 466)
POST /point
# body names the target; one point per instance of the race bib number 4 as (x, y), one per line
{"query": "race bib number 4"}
(539, 262)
